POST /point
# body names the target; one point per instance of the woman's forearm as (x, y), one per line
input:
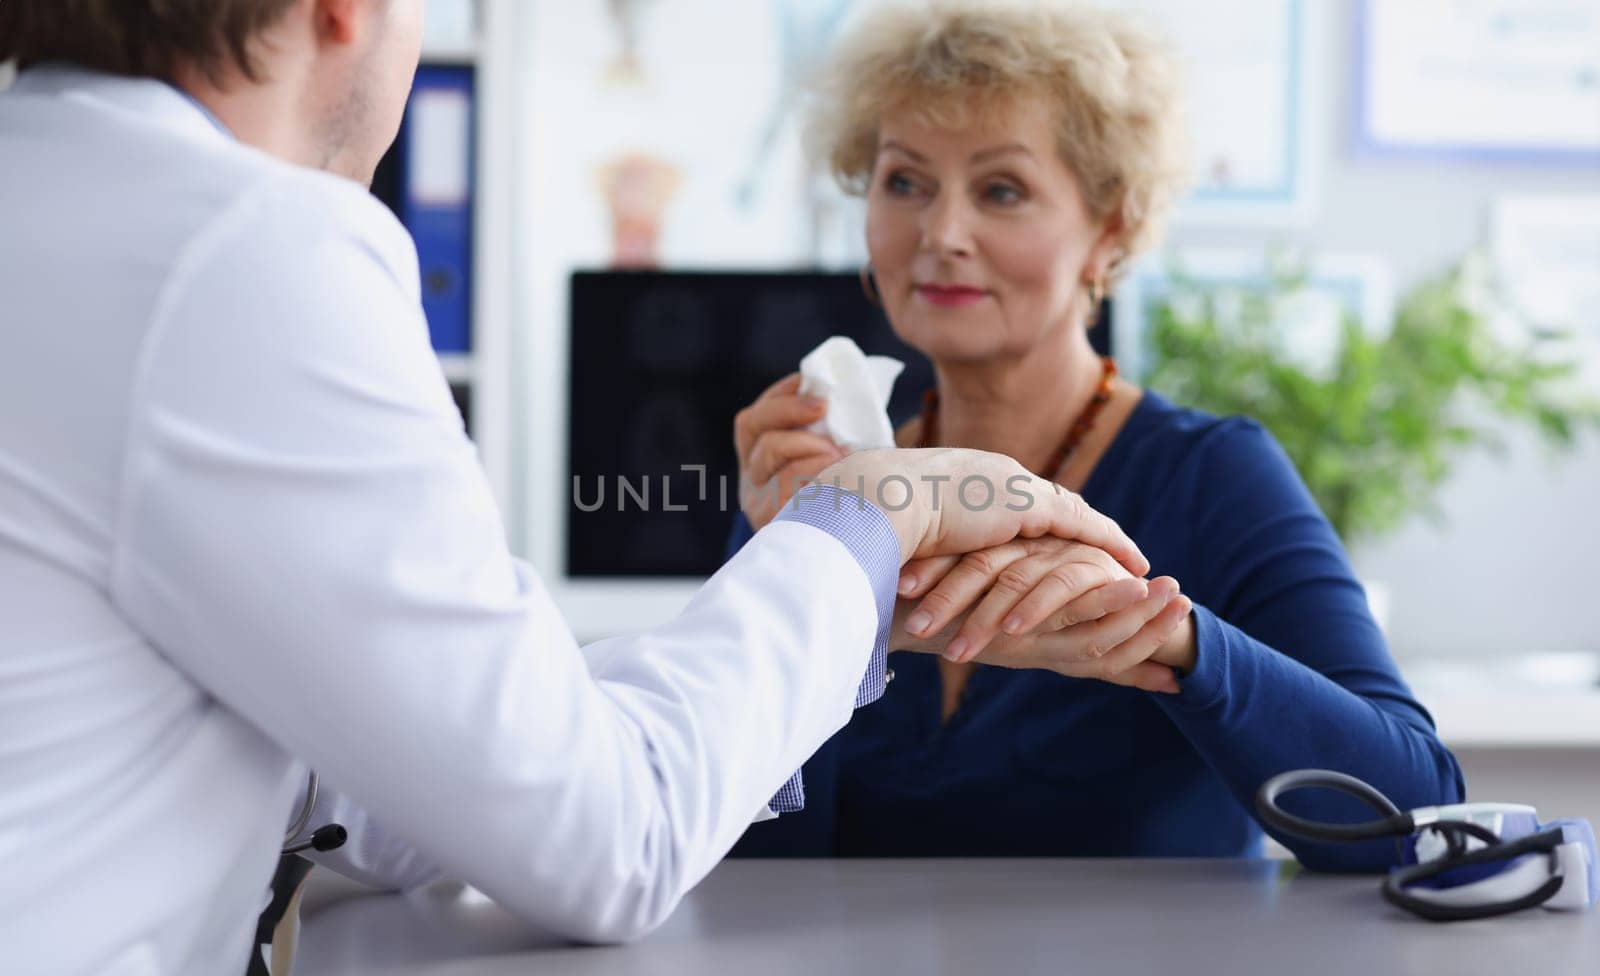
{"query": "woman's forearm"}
(1253, 711)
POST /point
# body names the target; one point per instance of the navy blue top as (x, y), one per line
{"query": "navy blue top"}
(1292, 672)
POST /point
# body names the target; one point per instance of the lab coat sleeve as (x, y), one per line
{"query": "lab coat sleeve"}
(371, 854)
(305, 530)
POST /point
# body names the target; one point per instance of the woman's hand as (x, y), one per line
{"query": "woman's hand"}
(1142, 661)
(1046, 603)
(1124, 648)
(776, 453)
(1023, 586)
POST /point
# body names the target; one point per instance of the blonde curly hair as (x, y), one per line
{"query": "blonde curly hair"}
(1115, 85)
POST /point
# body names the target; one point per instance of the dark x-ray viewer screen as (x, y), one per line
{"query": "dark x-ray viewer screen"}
(661, 362)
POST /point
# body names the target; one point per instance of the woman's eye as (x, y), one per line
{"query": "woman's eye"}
(899, 184)
(1002, 193)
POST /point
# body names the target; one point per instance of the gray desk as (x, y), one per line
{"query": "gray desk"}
(956, 917)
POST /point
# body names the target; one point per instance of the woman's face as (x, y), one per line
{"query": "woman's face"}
(979, 237)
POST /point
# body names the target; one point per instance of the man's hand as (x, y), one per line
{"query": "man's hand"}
(951, 501)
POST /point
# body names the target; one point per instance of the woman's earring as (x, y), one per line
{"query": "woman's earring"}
(869, 285)
(1097, 294)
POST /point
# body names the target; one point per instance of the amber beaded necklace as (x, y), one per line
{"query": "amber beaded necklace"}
(929, 435)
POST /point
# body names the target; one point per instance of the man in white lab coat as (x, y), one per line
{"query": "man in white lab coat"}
(242, 531)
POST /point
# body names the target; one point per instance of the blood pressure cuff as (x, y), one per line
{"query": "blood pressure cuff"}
(1553, 865)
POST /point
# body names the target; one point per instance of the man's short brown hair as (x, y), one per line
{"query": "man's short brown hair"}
(143, 38)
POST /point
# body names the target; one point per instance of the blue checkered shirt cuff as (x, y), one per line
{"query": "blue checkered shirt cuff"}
(866, 532)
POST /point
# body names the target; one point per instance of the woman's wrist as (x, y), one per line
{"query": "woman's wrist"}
(1181, 648)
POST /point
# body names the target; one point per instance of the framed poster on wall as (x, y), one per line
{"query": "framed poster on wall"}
(1251, 78)
(1546, 254)
(1309, 321)
(1512, 80)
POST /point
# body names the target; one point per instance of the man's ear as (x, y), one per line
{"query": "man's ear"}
(343, 21)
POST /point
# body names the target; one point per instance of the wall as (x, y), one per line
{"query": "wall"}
(1511, 569)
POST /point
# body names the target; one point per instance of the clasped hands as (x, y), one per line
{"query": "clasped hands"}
(1052, 603)
(1049, 584)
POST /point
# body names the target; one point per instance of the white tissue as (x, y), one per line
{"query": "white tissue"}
(857, 388)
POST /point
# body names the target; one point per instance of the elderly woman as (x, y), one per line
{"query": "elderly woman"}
(1014, 159)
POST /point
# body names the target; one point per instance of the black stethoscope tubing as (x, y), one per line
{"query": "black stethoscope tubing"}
(1398, 824)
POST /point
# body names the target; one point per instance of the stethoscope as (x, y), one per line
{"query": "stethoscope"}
(291, 872)
(1518, 862)
(325, 838)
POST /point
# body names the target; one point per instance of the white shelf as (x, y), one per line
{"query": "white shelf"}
(1517, 719)
(1531, 699)
(458, 366)
(487, 370)
(493, 361)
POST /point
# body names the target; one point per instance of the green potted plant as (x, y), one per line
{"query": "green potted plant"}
(1376, 424)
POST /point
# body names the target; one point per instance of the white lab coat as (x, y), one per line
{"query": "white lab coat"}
(242, 531)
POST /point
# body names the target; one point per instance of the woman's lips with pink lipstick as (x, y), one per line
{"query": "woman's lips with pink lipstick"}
(950, 296)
